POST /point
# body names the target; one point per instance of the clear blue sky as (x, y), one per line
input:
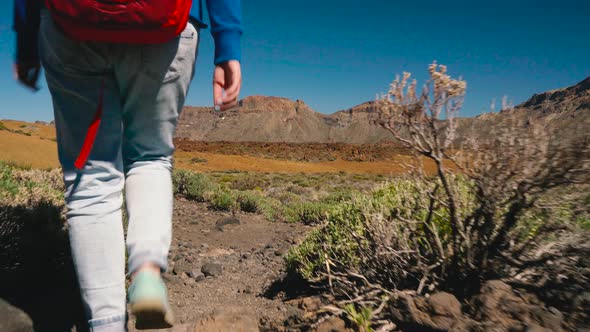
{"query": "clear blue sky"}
(334, 54)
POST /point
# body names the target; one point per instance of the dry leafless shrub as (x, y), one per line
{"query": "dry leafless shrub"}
(510, 170)
(507, 172)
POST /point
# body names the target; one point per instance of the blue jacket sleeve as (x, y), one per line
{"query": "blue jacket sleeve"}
(26, 25)
(226, 28)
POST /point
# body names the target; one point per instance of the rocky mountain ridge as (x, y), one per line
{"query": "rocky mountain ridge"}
(276, 119)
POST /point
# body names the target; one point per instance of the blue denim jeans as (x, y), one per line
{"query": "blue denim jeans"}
(144, 90)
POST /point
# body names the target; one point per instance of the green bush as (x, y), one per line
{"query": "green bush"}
(334, 241)
(274, 210)
(249, 201)
(18, 131)
(222, 199)
(226, 178)
(286, 197)
(193, 186)
(311, 212)
(391, 221)
(23, 186)
(339, 196)
(32, 223)
(303, 182)
(308, 257)
(249, 182)
(344, 232)
(361, 318)
(197, 160)
(8, 185)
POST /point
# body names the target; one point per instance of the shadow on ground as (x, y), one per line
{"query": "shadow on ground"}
(289, 287)
(36, 270)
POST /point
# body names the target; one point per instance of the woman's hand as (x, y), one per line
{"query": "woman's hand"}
(27, 74)
(227, 82)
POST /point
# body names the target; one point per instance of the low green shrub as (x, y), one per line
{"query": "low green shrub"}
(361, 318)
(344, 233)
(249, 201)
(23, 186)
(274, 210)
(335, 241)
(311, 213)
(286, 197)
(196, 160)
(303, 182)
(222, 200)
(192, 185)
(339, 196)
(249, 182)
(8, 185)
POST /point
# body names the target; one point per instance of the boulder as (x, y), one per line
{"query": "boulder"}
(221, 223)
(498, 306)
(211, 269)
(13, 319)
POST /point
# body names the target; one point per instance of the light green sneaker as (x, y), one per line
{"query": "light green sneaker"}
(149, 302)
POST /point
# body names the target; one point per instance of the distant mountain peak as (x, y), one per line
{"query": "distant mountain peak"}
(570, 98)
(269, 103)
(366, 107)
(278, 119)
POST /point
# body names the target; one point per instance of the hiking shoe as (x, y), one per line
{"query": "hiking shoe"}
(149, 302)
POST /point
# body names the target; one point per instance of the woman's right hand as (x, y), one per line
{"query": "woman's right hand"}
(27, 73)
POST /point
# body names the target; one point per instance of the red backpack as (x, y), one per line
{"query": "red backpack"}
(121, 21)
(117, 21)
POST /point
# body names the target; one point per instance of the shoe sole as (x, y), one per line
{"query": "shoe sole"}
(152, 314)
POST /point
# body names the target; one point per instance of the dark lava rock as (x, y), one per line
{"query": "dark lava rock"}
(332, 324)
(445, 304)
(221, 223)
(499, 306)
(197, 275)
(294, 315)
(211, 269)
(13, 319)
(182, 267)
(440, 312)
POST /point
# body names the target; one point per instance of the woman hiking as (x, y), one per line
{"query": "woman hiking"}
(119, 72)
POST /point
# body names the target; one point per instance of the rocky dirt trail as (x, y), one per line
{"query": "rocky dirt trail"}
(227, 274)
(221, 266)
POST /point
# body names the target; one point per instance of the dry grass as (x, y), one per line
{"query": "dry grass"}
(28, 150)
(43, 131)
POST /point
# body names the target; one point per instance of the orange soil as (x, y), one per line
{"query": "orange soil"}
(40, 151)
(28, 150)
(218, 162)
(35, 129)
